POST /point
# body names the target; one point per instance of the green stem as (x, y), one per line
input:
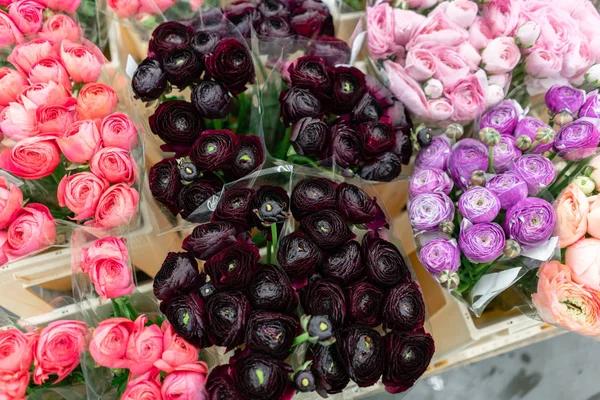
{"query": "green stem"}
(274, 237)
(491, 168)
(298, 340)
(562, 173)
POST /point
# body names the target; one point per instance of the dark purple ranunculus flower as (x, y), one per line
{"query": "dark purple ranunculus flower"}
(298, 255)
(270, 289)
(204, 41)
(239, 10)
(345, 145)
(347, 89)
(214, 149)
(333, 50)
(344, 264)
(227, 313)
(356, 206)
(404, 309)
(259, 376)
(468, 156)
(479, 204)
(310, 137)
(149, 80)
(310, 72)
(591, 107)
(211, 99)
(482, 243)
(327, 229)
(429, 180)
(367, 109)
(169, 37)
(578, 139)
(505, 153)
(384, 168)
(311, 195)
(365, 302)
(385, 265)
(427, 211)
(312, 19)
(502, 117)
(275, 27)
(192, 196)
(329, 370)
(363, 353)
(209, 238)
(270, 205)
(211, 19)
(376, 137)
(564, 98)
(165, 183)
(176, 122)
(408, 356)
(178, 275)
(187, 315)
(249, 157)
(435, 155)
(530, 222)
(182, 67)
(324, 297)
(235, 206)
(220, 384)
(234, 266)
(297, 103)
(271, 333)
(530, 127)
(440, 255)
(230, 63)
(509, 187)
(271, 8)
(537, 171)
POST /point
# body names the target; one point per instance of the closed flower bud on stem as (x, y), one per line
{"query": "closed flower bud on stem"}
(512, 249)
(586, 184)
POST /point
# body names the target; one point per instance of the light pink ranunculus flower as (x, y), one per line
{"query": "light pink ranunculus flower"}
(16, 348)
(114, 165)
(450, 66)
(10, 34)
(145, 346)
(439, 30)
(18, 122)
(470, 55)
(108, 346)
(186, 383)
(420, 64)
(578, 59)
(406, 23)
(31, 158)
(558, 30)
(27, 15)
(96, 101)
(31, 229)
(12, 83)
(59, 27)
(467, 97)
(83, 61)
(69, 6)
(421, 4)
(50, 70)
(502, 16)
(155, 6)
(58, 349)
(502, 80)
(440, 109)
(125, 8)
(112, 278)
(494, 94)
(118, 130)
(117, 206)
(176, 351)
(462, 12)
(25, 55)
(407, 89)
(80, 142)
(480, 34)
(543, 63)
(106, 247)
(11, 200)
(583, 258)
(501, 55)
(45, 94)
(380, 20)
(593, 218)
(81, 193)
(55, 120)
(143, 387)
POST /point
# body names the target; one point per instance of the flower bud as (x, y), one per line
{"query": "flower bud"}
(454, 131)
(478, 178)
(489, 136)
(423, 136)
(586, 184)
(433, 88)
(545, 135)
(449, 280)
(528, 34)
(562, 118)
(524, 142)
(447, 227)
(304, 381)
(512, 249)
(592, 76)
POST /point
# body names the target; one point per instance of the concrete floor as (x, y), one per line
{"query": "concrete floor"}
(564, 368)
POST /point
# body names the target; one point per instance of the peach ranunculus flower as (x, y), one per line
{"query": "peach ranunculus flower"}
(593, 219)
(572, 208)
(176, 351)
(583, 258)
(561, 301)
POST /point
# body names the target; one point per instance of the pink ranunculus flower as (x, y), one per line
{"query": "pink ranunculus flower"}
(583, 258)
(125, 8)
(144, 347)
(143, 387)
(83, 62)
(45, 94)
(55, 120)
(440, 109)
(593, 218)
(69, 6)
(494, 94)
(185, 383)
(31, 229)
(59, 27)
(561, 301)
(27, 15)
(3, 255)
(25, 55)
(176, 351)
(502, 16)
(578, 59)
(18, 121)
(468, 99)
(115, 165)
(462, 12)
(405, 24)
(31, 158)
(58, 349)
(81, 193)
(420, 64)
(16, 350)
(108, 346)
(470, 55)
(11, 200)
(111, 277)
(50, 70)
(13, 385)
(80, 142)
(107, 247)
(438, 29)
(10, 34)
(572, 209)
(118, 130)
(558, 29)
(156, 6)
(450, 65)
(96, 101)
(480, 34)
(380, 20)
(12, 83)
(117, 206)
(501, 55)
(421, 4)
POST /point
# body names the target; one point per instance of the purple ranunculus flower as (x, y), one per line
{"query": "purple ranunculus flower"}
(502, 117)
(468, 156)
(482, 243)
(428, 210)
(591, 107)
(536, 170)
(530, 222)
(578, 139)
(505, 152)
(529, 126)
(429, 180)
(435, 155)
(440, 255)
(564, 98)
(478, 205)
(509, 187)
